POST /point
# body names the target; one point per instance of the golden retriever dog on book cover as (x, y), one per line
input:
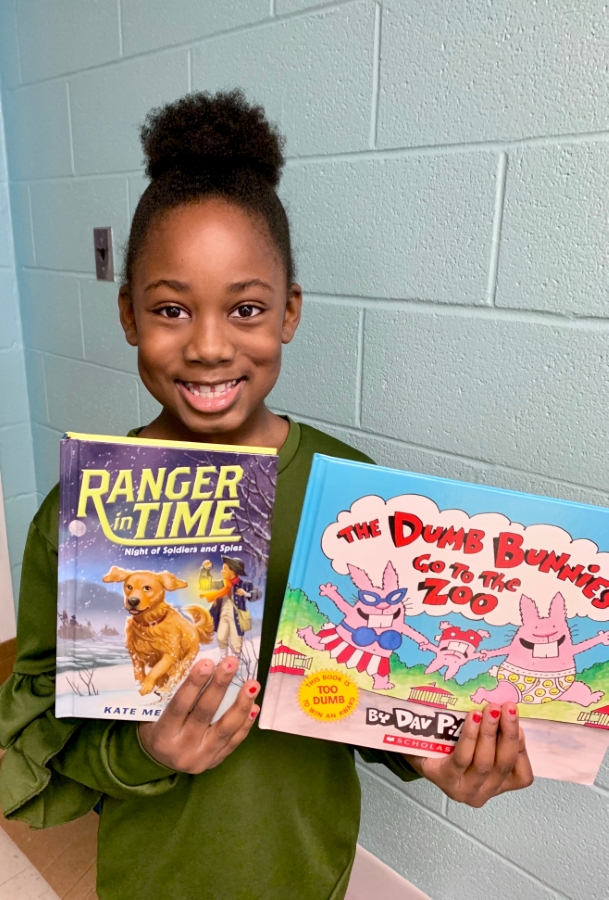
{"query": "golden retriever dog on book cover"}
(158, 636)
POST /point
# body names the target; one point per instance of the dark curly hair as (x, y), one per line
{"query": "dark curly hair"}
(204, 146)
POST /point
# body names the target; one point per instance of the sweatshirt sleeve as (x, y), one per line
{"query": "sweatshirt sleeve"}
(55, 770)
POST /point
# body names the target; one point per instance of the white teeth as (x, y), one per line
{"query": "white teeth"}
(380, 621)
(546, 650)
(208, 390)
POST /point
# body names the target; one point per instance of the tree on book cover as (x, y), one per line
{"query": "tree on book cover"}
(413, 600)
(163, 551)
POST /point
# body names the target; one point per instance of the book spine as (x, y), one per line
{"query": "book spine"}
(302, 550)
(269, 526)
(69, 460)
(306, 529)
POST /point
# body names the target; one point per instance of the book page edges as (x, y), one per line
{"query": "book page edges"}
(181, 445)
(298, 566)
(66, 593)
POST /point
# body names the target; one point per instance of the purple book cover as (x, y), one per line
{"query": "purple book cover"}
(163, 552)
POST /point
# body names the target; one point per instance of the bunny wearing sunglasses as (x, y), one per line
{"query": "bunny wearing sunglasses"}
(371, 630)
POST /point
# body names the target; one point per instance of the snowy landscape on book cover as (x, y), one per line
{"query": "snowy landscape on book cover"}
(163, 553)
(413, 599)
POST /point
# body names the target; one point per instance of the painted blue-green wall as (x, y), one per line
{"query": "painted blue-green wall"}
(16, 457)
(448, 186)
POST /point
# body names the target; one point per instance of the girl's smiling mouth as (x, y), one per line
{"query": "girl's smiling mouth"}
(206, 397)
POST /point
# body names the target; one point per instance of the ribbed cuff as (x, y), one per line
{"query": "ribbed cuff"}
(131, 764)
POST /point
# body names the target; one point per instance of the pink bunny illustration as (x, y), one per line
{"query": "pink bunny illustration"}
(540, 661)
(455, 648)
(371, 630)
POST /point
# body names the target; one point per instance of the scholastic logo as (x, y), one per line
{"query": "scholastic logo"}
(398, 741)
(441, 724)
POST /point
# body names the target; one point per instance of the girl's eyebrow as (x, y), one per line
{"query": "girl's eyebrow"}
(180, 286)
(237, 286)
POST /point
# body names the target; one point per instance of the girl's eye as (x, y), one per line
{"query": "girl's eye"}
(246, 311)
(172, 312)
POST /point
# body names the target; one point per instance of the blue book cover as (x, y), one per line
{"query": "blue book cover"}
(413, 599)
(163, 551)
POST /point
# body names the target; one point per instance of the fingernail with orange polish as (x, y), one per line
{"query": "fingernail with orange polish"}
(477, 718)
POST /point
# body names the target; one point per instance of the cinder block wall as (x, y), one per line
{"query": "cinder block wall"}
(16, 457)
(447, 183)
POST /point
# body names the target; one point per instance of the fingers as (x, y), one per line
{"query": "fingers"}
(462, 756)
(499, 748)
(239, 735)
(523, 770)
(509, 740)
(217, 741)
(162, 739)
(522, 774)
(241, 708)
(177, 710)
(205, 705)
(487, 749)
(496, 750)
(183, 738)
(490, 758)
(236, 715)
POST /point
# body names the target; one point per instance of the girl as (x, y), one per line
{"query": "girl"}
(192, 809)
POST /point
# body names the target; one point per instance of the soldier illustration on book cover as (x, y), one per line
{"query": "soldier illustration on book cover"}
(148, 536)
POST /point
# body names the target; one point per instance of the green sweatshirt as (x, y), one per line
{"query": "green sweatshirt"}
(277, 819)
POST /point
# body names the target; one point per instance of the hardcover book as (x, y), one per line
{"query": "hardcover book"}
(163, 550)
(413, 599)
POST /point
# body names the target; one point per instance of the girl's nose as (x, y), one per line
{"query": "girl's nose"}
(210, 344)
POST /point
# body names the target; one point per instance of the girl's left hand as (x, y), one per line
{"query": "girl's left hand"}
(490, 758)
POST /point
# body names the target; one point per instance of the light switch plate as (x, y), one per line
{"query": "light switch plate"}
(104, 256)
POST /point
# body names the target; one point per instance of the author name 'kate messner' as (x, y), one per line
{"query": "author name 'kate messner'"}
(123, 711)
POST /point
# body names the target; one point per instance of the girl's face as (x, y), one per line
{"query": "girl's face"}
(208, 313)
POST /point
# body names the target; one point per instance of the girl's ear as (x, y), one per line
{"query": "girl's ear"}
(127, 315)
(291, 315)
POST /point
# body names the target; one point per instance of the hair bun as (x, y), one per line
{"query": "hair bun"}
(201, 131)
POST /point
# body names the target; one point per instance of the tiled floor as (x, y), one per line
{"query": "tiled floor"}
(19, 880)
(49, 864)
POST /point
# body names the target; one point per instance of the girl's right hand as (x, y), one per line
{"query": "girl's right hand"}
(183, 737)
